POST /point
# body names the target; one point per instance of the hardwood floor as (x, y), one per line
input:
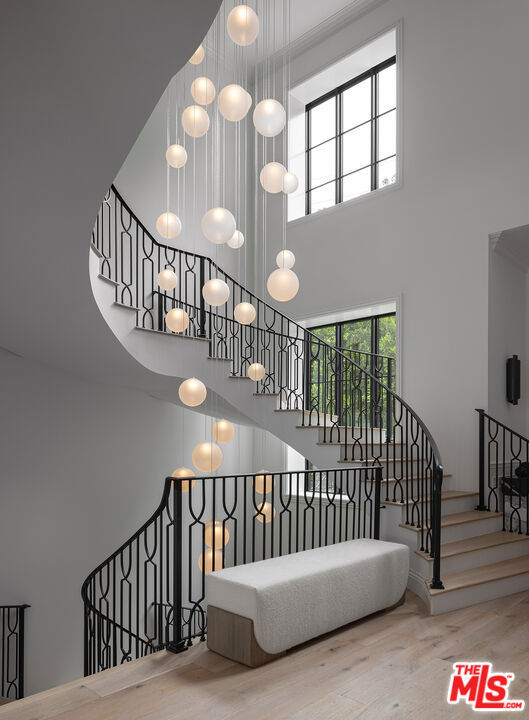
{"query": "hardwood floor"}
(391, 665)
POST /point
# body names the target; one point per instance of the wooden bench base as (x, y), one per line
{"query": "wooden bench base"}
(232, 636)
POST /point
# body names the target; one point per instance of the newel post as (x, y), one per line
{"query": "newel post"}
(481, 504)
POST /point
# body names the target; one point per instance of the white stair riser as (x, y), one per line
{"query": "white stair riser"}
(361, 434)
(370, 451)
(476, 558)
(449, 506)
(471, 529)
(445, 602)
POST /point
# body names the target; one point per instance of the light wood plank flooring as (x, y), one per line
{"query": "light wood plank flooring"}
(393, 665)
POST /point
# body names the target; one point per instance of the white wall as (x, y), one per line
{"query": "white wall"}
(507, 337)
(463, 169)
(82, 467)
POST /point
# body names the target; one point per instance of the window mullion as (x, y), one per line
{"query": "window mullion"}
(374, 138)
(338, 150)
(307, 162)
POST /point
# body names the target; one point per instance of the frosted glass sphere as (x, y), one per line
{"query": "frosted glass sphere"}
(215, 292)
(234, 102)
(269, 117)
(167, 280)
(207, 457)
(192, 392)
(271, 177)
(177, 320)
(237, 240)
(244, 313)
(211, 561)
(183, 472)
(266, 511)
(256, 371)
(283, 284)
(290, 183)
(197, 57)
(169, 225)
(218, 225)
(202, 90)
(222, 431)
(195, 121)
(215, 534)
(176, 156)
(242, 25)
(263, 483)
(285, 259)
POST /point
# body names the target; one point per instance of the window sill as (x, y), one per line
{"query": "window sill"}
(344, 205)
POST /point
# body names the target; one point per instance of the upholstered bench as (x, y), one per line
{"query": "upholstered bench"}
(258, 611)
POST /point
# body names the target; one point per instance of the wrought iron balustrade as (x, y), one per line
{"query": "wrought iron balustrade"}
(501, 452)
(12, 651)
(352, 402)
(207, 523)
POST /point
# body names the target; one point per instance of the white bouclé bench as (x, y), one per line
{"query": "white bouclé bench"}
(258, 611)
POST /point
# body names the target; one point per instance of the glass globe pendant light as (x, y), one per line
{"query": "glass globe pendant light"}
(237, 240)
(215, 292)
(167, 280)
(192, 392)
(183, 472)
(202, 90)
(271, 177)
(256, 372)
(207, 457)
(263, 482)
(234, 102)
(218, 225)
(216, 534)
(285, 259)
(290, 183)
(176, 156)
(222, 431)
(243, 25)
(269, 117)
(168, 225)
(177, 320)
(197, 57)
(244, 313)
(195, 121)
(283, 284)
(265, 512)
(211, 561)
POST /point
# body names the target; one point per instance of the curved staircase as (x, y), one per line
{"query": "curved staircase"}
(367, 426)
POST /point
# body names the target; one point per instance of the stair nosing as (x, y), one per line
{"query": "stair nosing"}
(506, 571)
(108, 280)
(461, 522)
(516, 537)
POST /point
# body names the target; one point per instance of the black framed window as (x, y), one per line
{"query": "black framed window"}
(351, 138)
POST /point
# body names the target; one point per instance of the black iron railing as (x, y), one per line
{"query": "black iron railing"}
(12, 651)
(367, 420)
(204, 524)
(503, 484)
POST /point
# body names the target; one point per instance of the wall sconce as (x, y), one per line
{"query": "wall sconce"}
(513, 379)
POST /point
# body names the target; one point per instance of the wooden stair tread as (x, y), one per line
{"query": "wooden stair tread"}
(478, 542)
(171, 334)
(445, 495)
(459, 519)
(483, 574)
(358, 441)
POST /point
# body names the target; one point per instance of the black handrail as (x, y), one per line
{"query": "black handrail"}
(149, 594)
(365, 415)
(501, 451)
(12, 641)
